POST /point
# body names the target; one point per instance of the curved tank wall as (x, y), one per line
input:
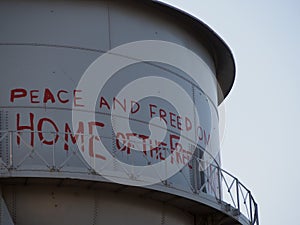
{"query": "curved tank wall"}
(46, 49)
(108, 92)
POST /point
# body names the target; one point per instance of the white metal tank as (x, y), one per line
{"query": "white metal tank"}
(109, 115)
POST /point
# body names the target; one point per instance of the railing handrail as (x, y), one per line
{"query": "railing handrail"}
(239, 185)
(248, 199)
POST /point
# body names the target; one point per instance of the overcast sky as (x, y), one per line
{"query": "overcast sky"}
(261, 142)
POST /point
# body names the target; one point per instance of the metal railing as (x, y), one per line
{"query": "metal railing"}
(233, 196)
(237, 195)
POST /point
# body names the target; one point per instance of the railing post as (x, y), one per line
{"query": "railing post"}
(53, 152)
(256, 214)
(219, 182)
(10, 149)
(250, 204)
(237, 194)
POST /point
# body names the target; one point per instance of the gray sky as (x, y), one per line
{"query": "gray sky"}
(261, 143)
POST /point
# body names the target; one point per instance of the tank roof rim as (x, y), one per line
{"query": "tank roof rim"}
(221, 52)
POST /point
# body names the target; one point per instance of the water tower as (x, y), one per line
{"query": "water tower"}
(109, 115)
